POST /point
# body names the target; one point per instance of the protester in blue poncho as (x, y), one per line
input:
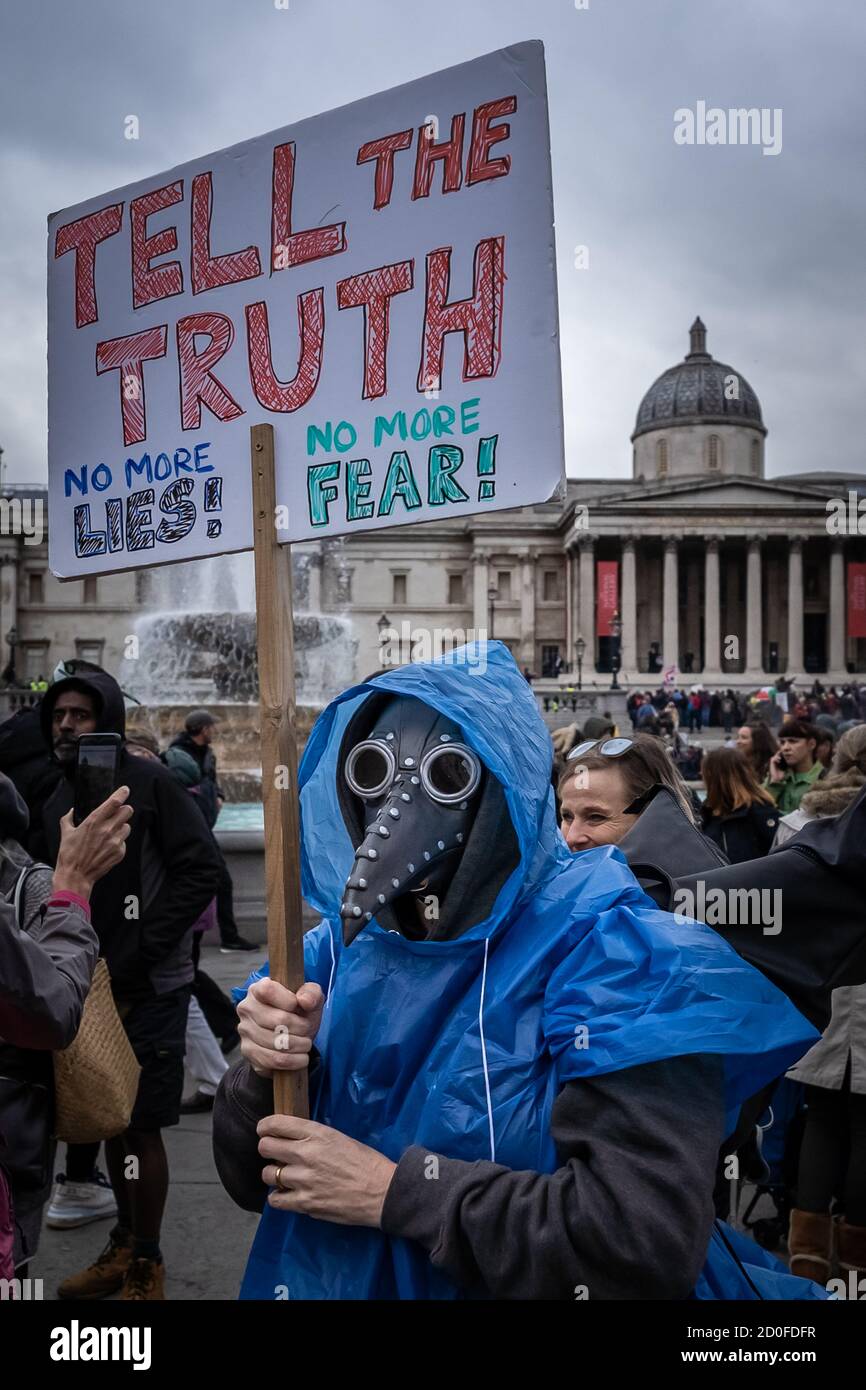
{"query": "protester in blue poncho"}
(521, 1070)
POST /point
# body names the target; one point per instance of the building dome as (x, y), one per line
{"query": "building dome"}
(699, 391)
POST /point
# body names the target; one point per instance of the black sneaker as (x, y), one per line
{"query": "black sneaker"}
(238, 943)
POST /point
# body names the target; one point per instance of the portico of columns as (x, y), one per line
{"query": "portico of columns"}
(737, 648)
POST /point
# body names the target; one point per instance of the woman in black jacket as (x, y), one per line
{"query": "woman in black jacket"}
(737, 814)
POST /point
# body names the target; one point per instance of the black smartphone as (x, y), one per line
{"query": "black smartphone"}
(782, 763)
(96, 769)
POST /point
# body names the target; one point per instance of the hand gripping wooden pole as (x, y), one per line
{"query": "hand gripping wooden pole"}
(276, 652)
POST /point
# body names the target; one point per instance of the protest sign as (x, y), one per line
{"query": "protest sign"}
(378, 283)
(366, 301)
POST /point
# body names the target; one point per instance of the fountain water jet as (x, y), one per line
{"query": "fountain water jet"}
(190, 651)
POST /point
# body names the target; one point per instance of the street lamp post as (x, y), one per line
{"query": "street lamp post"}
(579, 649)
(12, 641)
(383, 624)
(616, 634)
(492, 596)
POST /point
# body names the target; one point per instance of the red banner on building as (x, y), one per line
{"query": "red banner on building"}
(606, 595)
(857, 600)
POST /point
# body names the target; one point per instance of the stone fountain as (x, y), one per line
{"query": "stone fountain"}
(201, 651)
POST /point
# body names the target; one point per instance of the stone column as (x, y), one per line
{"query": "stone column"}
(754, 649)
(628, 606)
(794, 662)
(9, 603)
(527, 608)
(480, 602)
(586, 621)
(569, 613)
(575, 603)
(712, 607)
(670, 612)
(836, 654)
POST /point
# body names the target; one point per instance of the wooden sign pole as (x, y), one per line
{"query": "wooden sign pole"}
(276, 652)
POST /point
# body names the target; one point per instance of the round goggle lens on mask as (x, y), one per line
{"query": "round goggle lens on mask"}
(370, 769)
(450, 773)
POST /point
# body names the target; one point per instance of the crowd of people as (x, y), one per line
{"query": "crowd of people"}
(701, 708)
(504, 992)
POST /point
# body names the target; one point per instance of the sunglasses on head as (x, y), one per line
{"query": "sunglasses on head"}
(608, 748)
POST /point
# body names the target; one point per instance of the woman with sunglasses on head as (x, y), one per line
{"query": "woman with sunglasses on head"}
(602, 780)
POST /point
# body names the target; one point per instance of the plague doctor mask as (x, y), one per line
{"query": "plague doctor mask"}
(409, 788)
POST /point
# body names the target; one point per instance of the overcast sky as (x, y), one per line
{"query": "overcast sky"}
(769, 250)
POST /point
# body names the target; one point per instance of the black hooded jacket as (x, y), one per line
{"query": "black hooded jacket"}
(29, 764)
(819, 874)
(143, 910)
(14, 816)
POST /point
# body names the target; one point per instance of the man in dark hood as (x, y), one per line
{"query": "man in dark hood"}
(143, 913)
(29, 763)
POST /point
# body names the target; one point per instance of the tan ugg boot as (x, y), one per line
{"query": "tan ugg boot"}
(851, 1247)
(105, 1276)
(144, 1282)
(810, 1244)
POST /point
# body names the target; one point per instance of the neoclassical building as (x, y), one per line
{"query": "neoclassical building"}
(706, 565)
(714, 569)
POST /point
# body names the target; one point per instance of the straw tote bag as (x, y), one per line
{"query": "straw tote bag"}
(96, 1076)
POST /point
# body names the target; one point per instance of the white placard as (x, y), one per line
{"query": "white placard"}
(378, 282)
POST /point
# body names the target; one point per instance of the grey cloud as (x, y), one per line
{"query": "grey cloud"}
(768, 250)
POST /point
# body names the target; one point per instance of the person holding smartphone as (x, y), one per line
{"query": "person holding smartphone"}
(143, 913)
(794, 768)
(48, 951)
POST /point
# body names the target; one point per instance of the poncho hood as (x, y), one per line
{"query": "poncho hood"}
(482, 690)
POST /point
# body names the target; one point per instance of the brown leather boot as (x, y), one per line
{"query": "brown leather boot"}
(145, 1281)
(851, 1247)
(103, 1277)
(810, 1244)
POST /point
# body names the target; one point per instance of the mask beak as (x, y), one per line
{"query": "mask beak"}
(393, 859)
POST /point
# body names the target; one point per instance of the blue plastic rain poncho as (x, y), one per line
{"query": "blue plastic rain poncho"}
(463, 1045)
